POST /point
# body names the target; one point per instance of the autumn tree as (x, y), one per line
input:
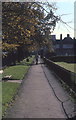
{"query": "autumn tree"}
(26, 26)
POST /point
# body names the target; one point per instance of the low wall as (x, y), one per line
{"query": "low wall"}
(67, 76)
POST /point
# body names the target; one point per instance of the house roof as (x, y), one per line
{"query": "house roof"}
(68, 40)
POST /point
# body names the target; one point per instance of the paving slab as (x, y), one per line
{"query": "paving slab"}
(36, 98)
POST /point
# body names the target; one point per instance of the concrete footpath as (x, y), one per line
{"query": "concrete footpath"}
(37, 99)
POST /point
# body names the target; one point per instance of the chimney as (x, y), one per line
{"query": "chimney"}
(68, 35)
(60, 36)
(61, 45)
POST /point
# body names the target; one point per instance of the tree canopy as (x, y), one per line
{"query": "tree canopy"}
(27, 24)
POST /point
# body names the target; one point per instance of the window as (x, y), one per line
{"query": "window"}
(67, 45)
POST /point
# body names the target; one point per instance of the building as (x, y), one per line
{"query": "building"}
(64, 47)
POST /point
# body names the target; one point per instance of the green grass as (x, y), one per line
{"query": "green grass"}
(25, 61)
(0, 76)
(8, 91)
(0, 92)
(69, 66)
(18, 71)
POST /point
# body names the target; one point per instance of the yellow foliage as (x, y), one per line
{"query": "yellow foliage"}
(6, 46)
(19, 26)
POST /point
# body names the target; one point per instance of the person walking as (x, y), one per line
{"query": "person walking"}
(36, 57)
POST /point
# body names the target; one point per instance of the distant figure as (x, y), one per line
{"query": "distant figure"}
(36, 57)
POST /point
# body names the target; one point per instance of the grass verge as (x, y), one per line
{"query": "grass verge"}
(18, 71)
(9, 89)
(8, 92)
(68, 66)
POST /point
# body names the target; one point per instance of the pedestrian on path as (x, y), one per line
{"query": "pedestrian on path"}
(36, 57)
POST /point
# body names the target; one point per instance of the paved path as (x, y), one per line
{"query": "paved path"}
(36, 99)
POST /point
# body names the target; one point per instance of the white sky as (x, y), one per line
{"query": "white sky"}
(64, 7)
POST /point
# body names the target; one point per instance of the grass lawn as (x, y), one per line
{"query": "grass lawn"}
(0, 76)
(18, 71)
(0, 93)
(25, 61)
(8, 91)
(69, 66)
